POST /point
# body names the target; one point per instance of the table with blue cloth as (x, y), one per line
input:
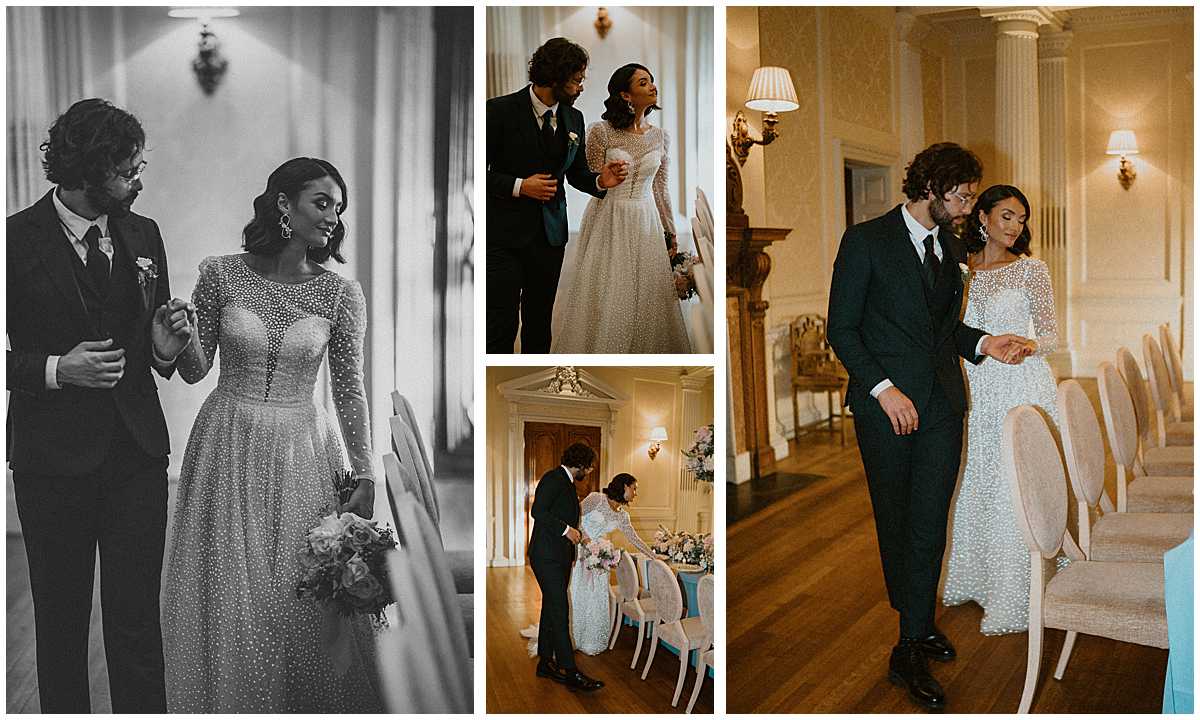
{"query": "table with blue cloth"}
(689, 581)
(1178, 571)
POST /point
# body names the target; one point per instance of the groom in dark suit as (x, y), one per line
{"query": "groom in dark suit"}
(555, 513)
(89, 313)
(535, 139)
(894, 308)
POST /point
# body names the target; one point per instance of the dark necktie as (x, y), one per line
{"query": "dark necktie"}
(97, 261)
(548, 130)
(931, 265)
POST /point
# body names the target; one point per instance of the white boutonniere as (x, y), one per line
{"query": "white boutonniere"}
(964, 270)
(146, 270)
(572, 138)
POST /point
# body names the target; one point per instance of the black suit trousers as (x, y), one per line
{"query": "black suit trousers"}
(121, 507)
(554, 629)
(522, 280)
(911, 479)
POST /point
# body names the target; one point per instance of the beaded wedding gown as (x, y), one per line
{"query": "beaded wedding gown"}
(256, 477)
(617, 292)
(591, 621)
(989, 562)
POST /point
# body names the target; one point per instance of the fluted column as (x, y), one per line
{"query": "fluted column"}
(1017, 146)
(1051, 210)
(910, 31)
(693, 415)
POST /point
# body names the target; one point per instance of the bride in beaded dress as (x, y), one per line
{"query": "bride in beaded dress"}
(1008, 292)
(617, 291)
(258, 471)
(601, 513)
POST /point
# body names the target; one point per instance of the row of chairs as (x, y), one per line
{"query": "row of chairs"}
(425, 656)
(704, 233)
(657, 607)
(1114, 585)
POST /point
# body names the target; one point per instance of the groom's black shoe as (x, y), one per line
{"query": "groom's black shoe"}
(550, 669)
(908, 668)
(578, 681)
(937, 647)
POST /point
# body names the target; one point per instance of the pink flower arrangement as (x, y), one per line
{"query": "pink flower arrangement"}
(700, 455)
(602, 556)
(344, 566)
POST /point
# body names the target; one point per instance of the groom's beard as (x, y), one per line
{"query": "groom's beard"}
(561, 95)
(937, 211)
(102, 200)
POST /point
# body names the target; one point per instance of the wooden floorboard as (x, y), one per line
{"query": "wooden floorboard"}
(810, 629)
(513, 603)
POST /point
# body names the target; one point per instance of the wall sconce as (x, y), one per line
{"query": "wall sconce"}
(603, 23)
(208, 65)
(1124, 142)
(772, 92)
(657, 437)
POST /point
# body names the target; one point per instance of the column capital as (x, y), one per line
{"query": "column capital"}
(1021, 21)
(910, 28)
(1054, 45)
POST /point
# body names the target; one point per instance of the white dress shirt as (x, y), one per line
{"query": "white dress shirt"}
(75, 227)
(916, 235)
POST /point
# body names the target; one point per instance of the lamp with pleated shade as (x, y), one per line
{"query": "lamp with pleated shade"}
(658, 436)
(771, 92)
(1123, 143)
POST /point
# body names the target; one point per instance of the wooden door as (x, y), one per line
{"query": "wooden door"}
(544, 446)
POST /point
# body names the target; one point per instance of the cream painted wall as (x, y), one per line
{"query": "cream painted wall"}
(1130, 252)
(655, 397)
(741, 58)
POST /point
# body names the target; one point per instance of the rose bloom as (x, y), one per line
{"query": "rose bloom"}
(361, 534)
(354, 571)
(365, 588)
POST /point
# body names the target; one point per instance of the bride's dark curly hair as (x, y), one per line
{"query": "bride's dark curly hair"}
(616, 108)
(615, 490)
(262, 235)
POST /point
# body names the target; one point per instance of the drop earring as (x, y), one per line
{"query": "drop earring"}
(285, 226)
(983, 234)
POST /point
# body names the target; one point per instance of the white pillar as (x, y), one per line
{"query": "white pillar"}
(909, 32)
(1051, 208)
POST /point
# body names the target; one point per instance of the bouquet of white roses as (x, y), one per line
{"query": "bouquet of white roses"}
(700, 455)
(602, 556)
(344, 566)
(685, 548)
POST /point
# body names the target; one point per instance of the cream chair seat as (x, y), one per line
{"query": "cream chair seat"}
(1171, 429)
(1182, 389)
(1157, 459)
(634, 604)
(684, 633)
(704, 598)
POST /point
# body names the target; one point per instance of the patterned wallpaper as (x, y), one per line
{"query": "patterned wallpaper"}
(860, 66)
(933, 87)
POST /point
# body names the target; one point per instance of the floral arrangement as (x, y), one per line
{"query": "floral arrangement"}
(682, 263)
(344, 566)
(700, 455)
(684, 547)
(602, 556)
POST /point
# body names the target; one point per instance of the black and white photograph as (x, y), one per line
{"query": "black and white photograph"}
(240, 359)
(617, 103)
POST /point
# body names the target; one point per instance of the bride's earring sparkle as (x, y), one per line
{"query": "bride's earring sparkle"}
(285, 226)
(983, 234)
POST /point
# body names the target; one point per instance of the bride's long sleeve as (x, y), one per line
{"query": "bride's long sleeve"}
(662, 195)
(596, 145)
(346, 377)
(1041, 308)
(196, 359)
(625, 525)
(592, 501)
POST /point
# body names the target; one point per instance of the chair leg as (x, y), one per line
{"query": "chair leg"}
(701, 670)
(637, 651)
(684, 655)
(616, 629)
(1033, 662)
(653, 647)
(795, 416)
(1065, 655)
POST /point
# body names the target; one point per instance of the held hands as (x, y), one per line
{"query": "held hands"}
(362, 500)
(613, 174)
(540, 187)
(92, 364)
(573, 535)
(899, 410)
(172, 328)
(1009, 349)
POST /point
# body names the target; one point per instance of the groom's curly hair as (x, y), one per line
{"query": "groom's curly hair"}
(553, 64)
(939, 169)
(578, 455)
(88, 142)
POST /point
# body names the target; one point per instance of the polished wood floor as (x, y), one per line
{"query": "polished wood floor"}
(513, 602)
(810, 629)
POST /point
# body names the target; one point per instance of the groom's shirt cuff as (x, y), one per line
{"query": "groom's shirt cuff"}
(979, 345)
(517, 188)
(565, 530)
(883, 385)
(52, 373)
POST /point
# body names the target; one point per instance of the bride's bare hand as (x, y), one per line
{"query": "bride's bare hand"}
(362, 502)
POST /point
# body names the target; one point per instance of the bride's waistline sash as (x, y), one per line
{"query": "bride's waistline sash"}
(243, 398)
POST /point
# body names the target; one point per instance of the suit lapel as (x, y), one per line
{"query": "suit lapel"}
(908, 267)
(567, 125)
(128, 239)
(527, 124)
(55, 250)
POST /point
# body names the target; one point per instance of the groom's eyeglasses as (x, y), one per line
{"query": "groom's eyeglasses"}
(964, 198)
(133, 173)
